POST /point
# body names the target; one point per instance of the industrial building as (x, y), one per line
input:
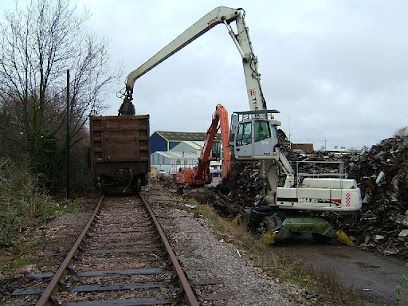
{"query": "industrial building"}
(171, 151)
(166, 140)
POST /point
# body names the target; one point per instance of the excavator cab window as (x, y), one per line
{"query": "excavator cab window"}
(244, 136)
(262, 130)
(255, 135)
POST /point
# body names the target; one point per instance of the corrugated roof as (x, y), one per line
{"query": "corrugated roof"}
(185, 136)
(177, 155)
(198, 145)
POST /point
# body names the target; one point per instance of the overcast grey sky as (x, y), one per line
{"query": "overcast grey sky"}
(336, 70)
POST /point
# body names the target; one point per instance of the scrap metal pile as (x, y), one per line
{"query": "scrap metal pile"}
(382, 174)
(244, 188)
(245, 185)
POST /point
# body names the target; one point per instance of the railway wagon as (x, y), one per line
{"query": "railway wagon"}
(120, 152)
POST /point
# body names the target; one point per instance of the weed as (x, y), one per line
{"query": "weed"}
(401, 287)
(20, 262)
(261, 255)
(22, 205)
(24, 249)
(51, 211)
(193, 202)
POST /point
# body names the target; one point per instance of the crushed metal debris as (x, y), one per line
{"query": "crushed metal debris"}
(382, 175)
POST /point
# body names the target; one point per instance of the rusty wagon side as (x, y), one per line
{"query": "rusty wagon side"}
(120, 151)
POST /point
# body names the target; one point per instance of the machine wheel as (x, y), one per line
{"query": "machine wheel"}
(320, 238)
(257, 215)
(272, 223)
(138, 185)
(101, 185)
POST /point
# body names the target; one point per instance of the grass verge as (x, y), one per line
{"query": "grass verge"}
(263, 256)
(24, 206)
(12, 261)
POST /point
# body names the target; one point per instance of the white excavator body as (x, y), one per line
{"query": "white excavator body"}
(249, 142)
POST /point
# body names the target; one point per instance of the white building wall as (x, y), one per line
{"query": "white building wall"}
(170, 162)
(193, 147)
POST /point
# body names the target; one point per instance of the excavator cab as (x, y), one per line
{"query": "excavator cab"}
(254, 135)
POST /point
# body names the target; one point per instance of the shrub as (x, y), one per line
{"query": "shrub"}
(22, 205)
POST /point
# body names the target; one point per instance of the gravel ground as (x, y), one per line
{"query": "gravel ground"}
(204, 256)
(56, 238)
(217, 259)
(123, 231)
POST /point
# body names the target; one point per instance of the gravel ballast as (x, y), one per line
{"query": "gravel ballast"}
(204, 256)
(221, 260)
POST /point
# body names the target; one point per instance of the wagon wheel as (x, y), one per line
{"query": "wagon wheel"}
(138, 185)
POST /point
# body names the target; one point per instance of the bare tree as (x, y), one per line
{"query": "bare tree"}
(37, 45)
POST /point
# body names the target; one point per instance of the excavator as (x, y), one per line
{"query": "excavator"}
(254, 137)
(201, 175)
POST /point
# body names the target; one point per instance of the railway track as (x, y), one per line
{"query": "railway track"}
(122, 257)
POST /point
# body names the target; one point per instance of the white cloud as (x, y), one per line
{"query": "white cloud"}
(337, 70)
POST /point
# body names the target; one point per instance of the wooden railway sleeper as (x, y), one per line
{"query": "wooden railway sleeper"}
(178, 293)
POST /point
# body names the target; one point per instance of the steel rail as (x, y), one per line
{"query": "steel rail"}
(45, 298)
(190, 296)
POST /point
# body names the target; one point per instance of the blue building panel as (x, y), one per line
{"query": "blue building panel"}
(157, 143)
(166, 140)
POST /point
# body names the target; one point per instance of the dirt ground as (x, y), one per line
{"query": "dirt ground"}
(204, 256)
(51, 244)
(373, 277)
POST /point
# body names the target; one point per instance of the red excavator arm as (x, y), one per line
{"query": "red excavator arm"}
(202, 175)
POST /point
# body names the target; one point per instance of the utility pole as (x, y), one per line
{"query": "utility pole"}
(68, 142)
(289, 128)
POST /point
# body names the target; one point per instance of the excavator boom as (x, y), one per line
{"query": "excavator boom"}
(254, 131)
(219, 15)
(202, 26)
(202, 175)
